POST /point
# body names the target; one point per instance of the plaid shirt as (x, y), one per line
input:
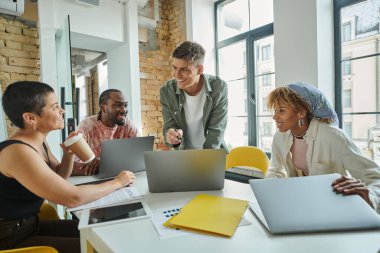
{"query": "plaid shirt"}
(95, 132)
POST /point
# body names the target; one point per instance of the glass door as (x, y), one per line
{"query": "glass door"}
(63, 53)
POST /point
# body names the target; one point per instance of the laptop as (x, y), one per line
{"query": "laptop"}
(123, 154)
(185, 170)
(309, 204)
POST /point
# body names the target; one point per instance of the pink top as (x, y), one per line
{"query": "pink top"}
(298, 150)
(95, 132)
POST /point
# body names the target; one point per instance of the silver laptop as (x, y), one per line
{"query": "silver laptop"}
(123, 154)
(309, 204)
(185, 170)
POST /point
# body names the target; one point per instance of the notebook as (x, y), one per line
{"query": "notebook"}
(309, 204)
(209, 213)
(185, 170)
(123, 154)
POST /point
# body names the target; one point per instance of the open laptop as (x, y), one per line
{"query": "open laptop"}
(123, 154)
(309, 204)
(185, 170)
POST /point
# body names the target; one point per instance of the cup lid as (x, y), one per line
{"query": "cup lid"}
(73, 139)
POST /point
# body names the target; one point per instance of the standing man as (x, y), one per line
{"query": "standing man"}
(194, 105)
(111, 122)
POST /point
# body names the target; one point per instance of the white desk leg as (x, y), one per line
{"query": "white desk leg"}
(83, 240)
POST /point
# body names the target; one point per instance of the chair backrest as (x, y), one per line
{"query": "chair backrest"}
(247, 156)
(37, 249)
(47, 212)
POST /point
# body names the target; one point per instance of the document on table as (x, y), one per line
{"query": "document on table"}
(210, 213)
(122, 195)
(160, 216)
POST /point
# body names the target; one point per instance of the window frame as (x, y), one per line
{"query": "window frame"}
(250, 37)
(338, 5)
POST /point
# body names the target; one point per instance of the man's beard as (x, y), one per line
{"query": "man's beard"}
(119, 122)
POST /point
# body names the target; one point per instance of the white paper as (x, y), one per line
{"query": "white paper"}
(122, 195)
(160, 216)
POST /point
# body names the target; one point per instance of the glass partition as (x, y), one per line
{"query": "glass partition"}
(63, 53)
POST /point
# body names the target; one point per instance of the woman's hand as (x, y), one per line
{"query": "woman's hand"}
(125, 178)
(347, 185)
(64, 148)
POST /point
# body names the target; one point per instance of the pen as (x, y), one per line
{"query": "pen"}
(178, 138)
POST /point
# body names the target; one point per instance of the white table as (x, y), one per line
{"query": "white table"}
(141, 235)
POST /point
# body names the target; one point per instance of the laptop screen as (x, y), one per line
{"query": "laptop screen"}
(123, 154)
(309, 204)
(185, 170)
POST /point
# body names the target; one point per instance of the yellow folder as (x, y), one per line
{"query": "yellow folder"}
(210, 214)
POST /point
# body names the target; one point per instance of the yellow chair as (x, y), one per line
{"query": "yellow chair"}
(248, 156)
(47, 212)
(36, 249)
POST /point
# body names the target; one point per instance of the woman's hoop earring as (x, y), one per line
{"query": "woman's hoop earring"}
(34, 126)
(300, 122)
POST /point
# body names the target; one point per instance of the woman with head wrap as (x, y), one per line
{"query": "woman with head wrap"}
(309, 143)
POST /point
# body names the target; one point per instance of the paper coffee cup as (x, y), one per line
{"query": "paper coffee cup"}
(78, 145)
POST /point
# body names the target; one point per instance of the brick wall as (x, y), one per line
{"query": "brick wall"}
(155, 64)
(19, 52)
(19, 59)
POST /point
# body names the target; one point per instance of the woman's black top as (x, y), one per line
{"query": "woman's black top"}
(15, 200)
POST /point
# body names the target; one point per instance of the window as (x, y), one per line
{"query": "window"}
(347, 98)
(235, 76)
(266, 52)
(357, 100)
(235, 17)
(346, 67)
(244, 44)
(346, 32)
(265, 107)
(347, 128)
(257, 53)
(267, 79)
(267, 129)
(83, 103)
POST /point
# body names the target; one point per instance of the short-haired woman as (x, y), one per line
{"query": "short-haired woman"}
(29, 173)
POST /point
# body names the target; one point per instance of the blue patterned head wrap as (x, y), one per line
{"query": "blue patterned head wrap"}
(320, 108)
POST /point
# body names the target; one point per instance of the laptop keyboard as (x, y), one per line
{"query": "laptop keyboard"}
(97, 181)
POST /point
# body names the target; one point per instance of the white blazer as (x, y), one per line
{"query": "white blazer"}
(330, 150)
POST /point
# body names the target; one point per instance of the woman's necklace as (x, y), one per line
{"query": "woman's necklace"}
(298, 136)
